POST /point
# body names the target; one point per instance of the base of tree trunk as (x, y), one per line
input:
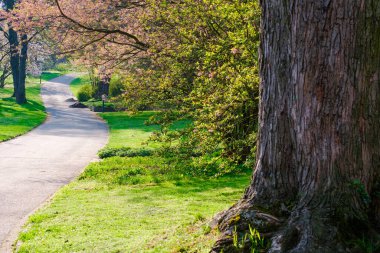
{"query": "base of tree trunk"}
(316, 184)
(21, 102)
(301, 230)
(21, 99)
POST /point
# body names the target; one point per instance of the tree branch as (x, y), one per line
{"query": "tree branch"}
(102, 30)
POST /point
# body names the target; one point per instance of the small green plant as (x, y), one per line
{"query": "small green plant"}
(199, 217)
(360, 189)
(235, 238)
(257, 242)
(206, 229)
(367, 245)
(85, 93)
(252, 240)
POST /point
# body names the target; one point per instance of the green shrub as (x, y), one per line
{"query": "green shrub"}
(97, 106)
(63, 67)
(116, 86)
(85, 93)
(212, 77)
(124, 152)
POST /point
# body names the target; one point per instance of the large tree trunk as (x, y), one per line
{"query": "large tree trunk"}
(20, 94)
(18, 59)
(316, 183)
(14, 58)
(102, 85)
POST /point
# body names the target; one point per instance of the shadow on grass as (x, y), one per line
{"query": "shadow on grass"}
(201, 186)
(31, 105)
(10, 99)
(156, 172)
(34, 106)
(18, 119)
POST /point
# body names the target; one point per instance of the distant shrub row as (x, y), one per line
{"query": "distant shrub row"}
(124, 152)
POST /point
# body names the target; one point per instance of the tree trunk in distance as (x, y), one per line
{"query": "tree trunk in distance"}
(14, 58)
(4, 76)
(102, 86)
(20, 94)
(316, 184)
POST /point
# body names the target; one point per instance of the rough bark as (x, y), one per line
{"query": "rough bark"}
(316, 184)
(14, 58)
(102, 86)
(18, 58)
(20, 94)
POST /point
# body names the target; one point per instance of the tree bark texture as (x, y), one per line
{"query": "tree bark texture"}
(20, 94)
(316, 184)
(102, 86)
(18, 58)
(14, 58)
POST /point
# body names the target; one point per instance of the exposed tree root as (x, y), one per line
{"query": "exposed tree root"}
(301, 231)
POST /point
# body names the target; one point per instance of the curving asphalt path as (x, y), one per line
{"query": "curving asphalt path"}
(36, 165)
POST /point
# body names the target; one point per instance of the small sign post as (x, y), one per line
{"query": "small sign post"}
(104, 99)
(41, 78)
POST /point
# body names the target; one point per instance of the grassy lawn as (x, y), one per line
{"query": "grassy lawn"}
(131, 204)
(128, 130)
(17, 119)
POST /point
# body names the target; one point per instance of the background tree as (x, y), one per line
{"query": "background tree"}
(18, 51)
(5, 70)
(103, 34)
(203, 67)
(97, 31)
(316, 183)
(41, 56)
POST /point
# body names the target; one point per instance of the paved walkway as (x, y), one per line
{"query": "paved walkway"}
(36, 165)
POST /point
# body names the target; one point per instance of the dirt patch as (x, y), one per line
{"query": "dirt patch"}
(71, 100)
(78, 105)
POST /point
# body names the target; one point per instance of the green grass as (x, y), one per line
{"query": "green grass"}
(17, 119)
(135, 204)
(46, 76)
(129, 129)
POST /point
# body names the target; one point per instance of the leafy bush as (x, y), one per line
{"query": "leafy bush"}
(116, 86)
(211, 77)
(85, 93)
(63, 67)
(124, 152)
(97, 106)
